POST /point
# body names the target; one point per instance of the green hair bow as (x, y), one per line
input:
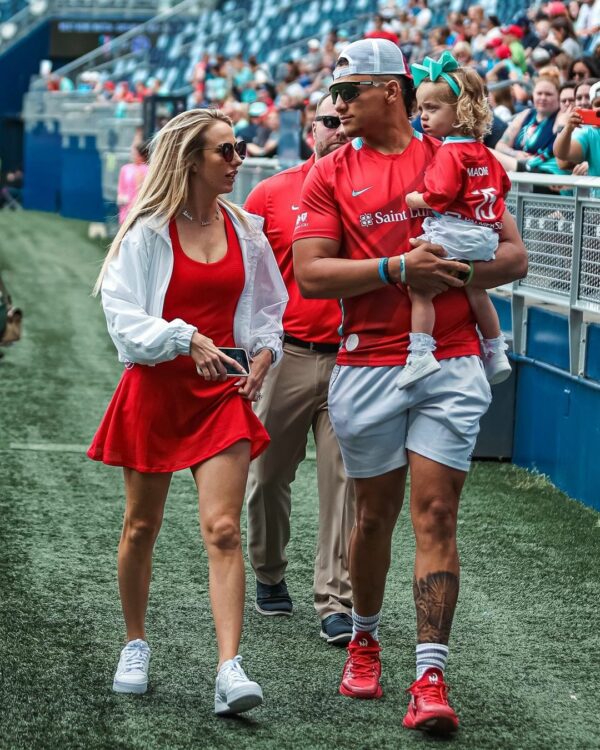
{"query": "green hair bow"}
(435, 69)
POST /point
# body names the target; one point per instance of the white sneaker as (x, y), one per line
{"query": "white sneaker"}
(416, 369)
(234, 692)
(497, 367)
(132, 671)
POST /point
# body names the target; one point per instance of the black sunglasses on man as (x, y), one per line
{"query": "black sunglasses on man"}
(331, 122)
(349, 91)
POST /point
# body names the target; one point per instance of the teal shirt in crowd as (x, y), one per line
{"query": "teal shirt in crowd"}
(588, 137)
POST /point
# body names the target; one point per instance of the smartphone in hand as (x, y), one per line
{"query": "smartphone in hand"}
(240, 356)
(589, 116)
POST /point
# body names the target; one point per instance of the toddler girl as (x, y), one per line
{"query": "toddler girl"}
(465, 187)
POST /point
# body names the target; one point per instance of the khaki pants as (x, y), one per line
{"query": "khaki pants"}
(294, 401)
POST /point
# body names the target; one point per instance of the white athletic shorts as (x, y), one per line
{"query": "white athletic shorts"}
(461, 239)
(438, 417)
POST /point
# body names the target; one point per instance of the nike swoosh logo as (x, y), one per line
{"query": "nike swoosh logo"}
(295, 208)
(358, 192)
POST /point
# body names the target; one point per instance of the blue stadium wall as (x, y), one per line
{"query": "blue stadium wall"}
(557, 415)
(17, 66)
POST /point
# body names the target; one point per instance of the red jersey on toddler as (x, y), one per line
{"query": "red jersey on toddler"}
(466, 180)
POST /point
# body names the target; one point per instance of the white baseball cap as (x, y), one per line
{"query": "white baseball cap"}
(595, 91)
(372, 57)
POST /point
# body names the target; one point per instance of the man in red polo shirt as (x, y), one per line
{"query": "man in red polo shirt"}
(351, 241)
(294, 402)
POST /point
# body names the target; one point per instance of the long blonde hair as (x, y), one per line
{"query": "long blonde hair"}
(165, 190)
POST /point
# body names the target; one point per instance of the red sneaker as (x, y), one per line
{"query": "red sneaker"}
(429, 708)
(362, 669)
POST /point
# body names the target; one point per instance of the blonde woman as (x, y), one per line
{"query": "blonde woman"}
(188, 273)
(465, 189)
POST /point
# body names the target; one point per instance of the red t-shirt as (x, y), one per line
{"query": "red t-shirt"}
(466, 179)
(357, 195)
(277, 200)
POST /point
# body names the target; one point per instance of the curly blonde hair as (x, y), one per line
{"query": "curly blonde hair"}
(473, 113)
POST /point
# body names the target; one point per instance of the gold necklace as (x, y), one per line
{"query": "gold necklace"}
(189, 217)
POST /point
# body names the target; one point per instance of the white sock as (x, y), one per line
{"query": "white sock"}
(420, 344)
(431, 655)
(490, 346)
(365, 624)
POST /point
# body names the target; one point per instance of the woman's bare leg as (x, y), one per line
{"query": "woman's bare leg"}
(145, 501)
(221, 483)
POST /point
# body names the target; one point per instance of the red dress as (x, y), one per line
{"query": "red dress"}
(167, 417)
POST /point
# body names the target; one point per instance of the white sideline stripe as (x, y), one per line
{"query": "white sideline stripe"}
(49, 447)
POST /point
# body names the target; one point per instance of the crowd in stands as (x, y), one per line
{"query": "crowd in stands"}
(538, 68)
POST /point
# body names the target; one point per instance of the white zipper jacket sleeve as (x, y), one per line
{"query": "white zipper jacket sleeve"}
(136, 283)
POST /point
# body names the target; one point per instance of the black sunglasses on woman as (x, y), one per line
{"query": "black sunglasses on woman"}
(227, 150)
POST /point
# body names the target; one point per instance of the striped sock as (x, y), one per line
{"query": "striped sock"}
(431, 655)
(365, 624)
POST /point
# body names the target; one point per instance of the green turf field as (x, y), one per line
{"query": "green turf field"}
(524, 651)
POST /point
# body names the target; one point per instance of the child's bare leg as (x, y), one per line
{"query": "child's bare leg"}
(484, 312)
(422, 317)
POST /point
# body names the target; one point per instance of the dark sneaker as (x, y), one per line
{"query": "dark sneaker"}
(337, 629)
(429, 709)
(273, 600)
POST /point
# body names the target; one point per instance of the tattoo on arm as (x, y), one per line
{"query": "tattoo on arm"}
(435, 600)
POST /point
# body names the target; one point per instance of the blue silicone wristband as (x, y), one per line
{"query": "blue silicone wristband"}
(382, 269)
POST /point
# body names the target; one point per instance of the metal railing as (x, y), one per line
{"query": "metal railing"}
(562, 236)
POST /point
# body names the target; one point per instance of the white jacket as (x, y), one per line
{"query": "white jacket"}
(136, 282)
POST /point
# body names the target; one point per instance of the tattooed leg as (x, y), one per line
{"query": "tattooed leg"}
(435, 600)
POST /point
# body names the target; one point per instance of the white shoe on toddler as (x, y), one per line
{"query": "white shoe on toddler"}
(497, 367)
(495, 362)
(417, 367)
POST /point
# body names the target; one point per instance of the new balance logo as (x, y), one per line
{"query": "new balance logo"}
(359, 192)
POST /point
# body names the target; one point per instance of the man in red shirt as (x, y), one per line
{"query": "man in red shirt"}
(352, 241)
(294, 401)
(380, 31)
